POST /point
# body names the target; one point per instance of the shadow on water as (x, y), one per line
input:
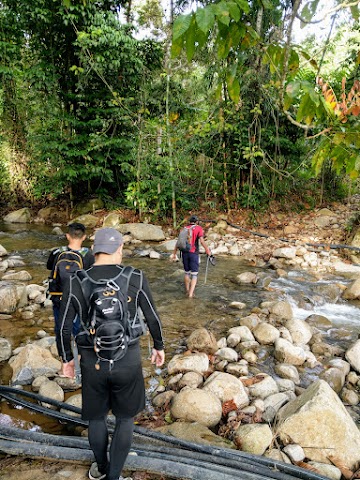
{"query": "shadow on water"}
(180, 315)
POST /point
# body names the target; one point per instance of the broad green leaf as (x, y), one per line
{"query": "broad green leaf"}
(287, 102)
(309, 10)
(293, 62)
(205, 18)
(190, 41)
(176, 47)
(67, 3)
(234, 11)
(233, 87)
(244, 5)
(222, 13)
(181, 25)
(355, 12)
(306, 110)
(314, 97)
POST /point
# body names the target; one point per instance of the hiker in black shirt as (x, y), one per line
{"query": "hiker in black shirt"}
(75, 237)
(109, 385)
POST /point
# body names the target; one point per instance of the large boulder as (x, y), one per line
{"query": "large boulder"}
(195, 405)
(202, 340)
(196, 362)
(353, 291)
(318, 421)
(12, 297)
(143, 231)
(18, 216)
(227, 387)
(88, 206)
(32, 361)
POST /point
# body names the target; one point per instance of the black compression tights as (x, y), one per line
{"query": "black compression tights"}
(119, 448)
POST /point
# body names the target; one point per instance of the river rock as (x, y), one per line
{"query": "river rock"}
(349, 397)
(227, 387)
(191, 380)
(239, 369)
(143, 231)
(195, 433)
(329, 471)
(352, 292)
(300, 331)
(277, 455)
(8, 297)
(22, 215)
(51, 390)
(246, 277)
(202, 340)
(318, 421)
(243, 332)
(295, 452)
(90, 221)
(272, 405)
(32, 362)
(3, 251)
(88, 206)
(254, 438)
(352, 355)
(5, 349)
(163, 398)
(282, 309)
(22, 276)
(285, 252)
(228, 354)
(195, 405)
(263, 386)
(266, 334)
(196, 362)
(74, 401)
(286, 352)
(251, 321)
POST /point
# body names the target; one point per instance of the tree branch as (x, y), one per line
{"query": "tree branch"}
(333, 10)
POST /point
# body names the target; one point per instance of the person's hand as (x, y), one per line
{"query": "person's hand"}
(158, 357)
(174, 257)
(68, 369)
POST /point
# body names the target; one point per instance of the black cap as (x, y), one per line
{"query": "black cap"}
(193, 219)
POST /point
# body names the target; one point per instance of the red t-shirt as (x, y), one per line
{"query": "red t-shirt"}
(197, 232)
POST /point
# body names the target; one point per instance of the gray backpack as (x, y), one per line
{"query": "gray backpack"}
(185, 239)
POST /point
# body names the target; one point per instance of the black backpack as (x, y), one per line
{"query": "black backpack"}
(184, 241)
(66, 264)
(108, 320)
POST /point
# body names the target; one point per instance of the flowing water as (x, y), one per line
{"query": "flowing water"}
(180, 315)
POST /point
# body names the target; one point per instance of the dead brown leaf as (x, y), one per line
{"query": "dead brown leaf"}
(346, 472)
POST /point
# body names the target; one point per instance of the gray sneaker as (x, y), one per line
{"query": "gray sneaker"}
(94, 473)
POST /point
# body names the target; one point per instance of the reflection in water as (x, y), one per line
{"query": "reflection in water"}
(180, 315)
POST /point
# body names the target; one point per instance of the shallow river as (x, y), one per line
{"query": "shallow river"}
(216, 289)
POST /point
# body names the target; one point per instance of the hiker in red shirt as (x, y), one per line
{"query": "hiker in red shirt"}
(190, 253)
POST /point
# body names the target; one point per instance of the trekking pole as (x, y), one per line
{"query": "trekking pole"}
(210, 259)
(206, 269)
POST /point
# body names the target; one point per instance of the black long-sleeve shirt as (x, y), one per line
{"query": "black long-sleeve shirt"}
(73, 303)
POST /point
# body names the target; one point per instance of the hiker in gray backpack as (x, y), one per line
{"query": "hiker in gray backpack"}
(110, 300)
(63, 262)
(188, 244)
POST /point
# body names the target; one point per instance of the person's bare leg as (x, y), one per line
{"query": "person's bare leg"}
(193, 282)
(187, 283)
